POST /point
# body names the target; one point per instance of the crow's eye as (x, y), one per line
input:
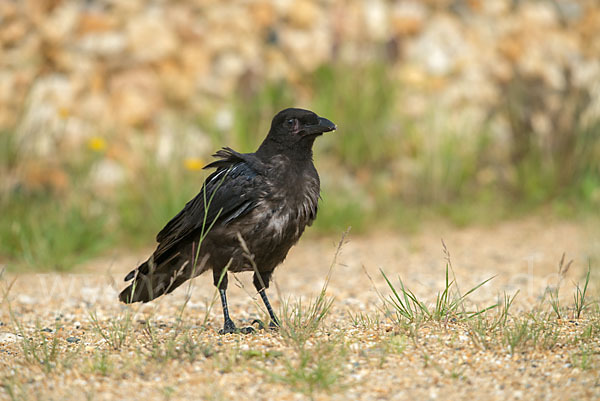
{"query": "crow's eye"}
(291, 122)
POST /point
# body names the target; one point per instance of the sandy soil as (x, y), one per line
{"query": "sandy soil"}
(374, 361)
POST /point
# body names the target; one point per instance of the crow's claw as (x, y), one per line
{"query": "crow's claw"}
(261, 325)
(229, 328)
(247, 330)
(243, 330)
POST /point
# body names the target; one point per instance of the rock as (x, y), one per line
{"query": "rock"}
(376, 19)
(9, 103)
(229, 64)
(277, 64)
(8, 10)
(149, 36)
(61, 23)
(408, 18)
(26, 299)
(263, 13)
(227, 68)
(95, 107)
(12, 32)
(105, 44)
(132, 107)
(569, 9)
(538, 14)
(94, 22)
(46, 99)
(297, 44)
(586, 74)
(73, 340)
(8, 338)
(128, 8)
(439, 47)
(135, 96)
(303, 14)
(175, 83)
(511, 47)
(195, 61)
(589, 27)
(495, 8)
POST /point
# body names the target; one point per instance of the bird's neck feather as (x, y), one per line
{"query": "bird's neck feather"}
(301, 150)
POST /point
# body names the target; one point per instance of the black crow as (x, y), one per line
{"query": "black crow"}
(264, 199)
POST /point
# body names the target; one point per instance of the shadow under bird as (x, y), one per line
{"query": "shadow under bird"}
(262, 201)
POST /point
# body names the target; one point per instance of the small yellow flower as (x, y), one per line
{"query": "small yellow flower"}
(64, 112)
(193, 163)
(97, 144)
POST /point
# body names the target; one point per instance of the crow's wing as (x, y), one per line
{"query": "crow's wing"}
(227, 194)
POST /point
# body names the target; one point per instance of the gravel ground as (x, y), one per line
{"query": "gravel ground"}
(65, 336)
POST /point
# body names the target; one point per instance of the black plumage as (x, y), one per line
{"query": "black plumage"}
(267, 198)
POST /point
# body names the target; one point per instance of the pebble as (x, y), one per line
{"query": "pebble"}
(26, 299)
(8, 338)
(73, 340)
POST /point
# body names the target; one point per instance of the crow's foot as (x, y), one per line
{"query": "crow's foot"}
(273, 325)
(261, 326)
(230, 328)
(247, 330)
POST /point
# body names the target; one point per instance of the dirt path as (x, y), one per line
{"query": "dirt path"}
(359, 352)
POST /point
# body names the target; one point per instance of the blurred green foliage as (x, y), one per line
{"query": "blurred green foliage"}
(382, 168)
(361, 101)
(151, 199)
(48, 233)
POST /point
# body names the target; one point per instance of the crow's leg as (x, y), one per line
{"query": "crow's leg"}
(261, 283)
(274, 324)
(228, 325)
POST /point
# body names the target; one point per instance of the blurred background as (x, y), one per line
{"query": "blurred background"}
(469, 111)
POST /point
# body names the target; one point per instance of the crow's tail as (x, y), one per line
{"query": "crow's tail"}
(151, 280)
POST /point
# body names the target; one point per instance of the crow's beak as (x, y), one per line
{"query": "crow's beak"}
(324, 125)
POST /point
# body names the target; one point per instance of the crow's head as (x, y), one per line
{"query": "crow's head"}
(293, 132)
(299, 123)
